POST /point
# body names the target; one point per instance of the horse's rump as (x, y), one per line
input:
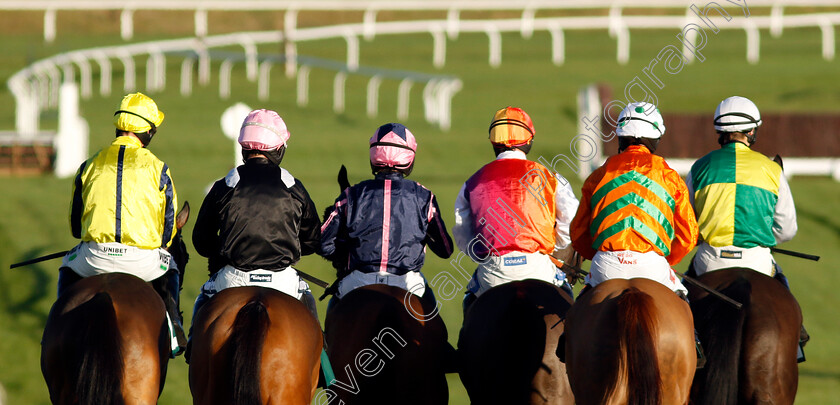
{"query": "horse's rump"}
(744, 347)
(254, 345)
(105, 330)
(400, 352)
(630, 341)
(506, 347)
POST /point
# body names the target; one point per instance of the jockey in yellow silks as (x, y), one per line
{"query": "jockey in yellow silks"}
(742, 199)
(123, 210)
(635, 218)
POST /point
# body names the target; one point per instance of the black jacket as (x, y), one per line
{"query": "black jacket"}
(257, 217)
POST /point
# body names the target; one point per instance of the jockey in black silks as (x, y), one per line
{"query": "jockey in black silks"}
(257, 221)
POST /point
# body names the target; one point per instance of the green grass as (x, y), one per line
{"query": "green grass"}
(790, 76)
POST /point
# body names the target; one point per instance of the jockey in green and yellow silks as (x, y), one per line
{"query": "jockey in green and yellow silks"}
(742, 199)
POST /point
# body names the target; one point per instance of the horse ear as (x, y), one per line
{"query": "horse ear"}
(343, 182)
(778, 159)
(183, 215)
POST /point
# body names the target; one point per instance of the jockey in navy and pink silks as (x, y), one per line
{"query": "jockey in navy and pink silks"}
(381, 227)
(513, 215)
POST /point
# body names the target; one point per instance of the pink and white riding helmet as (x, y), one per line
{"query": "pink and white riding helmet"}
(392, 145)
(263, 130)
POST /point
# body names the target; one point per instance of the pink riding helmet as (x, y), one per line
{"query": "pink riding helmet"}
(392, 145)
(263, 130)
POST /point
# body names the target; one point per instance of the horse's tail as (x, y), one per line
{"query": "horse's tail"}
(637, 326)
(722, 329)
(246, 342)
(99, 368)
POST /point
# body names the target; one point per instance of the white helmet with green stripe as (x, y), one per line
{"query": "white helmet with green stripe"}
(736, 114)
(640, 120)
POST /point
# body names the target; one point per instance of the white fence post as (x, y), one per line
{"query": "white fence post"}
(264, 81)
(104, 73)
(200, 20)
(403, 97)
(338, 92)
(495, 42)
(224, 78)
(71, 141)
(49, 25)
(373, 96)
(303, 86)
(127, 24)
(827, 39)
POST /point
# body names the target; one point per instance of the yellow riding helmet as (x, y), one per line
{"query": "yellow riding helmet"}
(138, 113)
(511, 127)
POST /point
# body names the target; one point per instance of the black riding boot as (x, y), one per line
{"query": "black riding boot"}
(804, 337)
(469, 298)
(309, 300)
(168, 287)
(66, 278)
(701, 357)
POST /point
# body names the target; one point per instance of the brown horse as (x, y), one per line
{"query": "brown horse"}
(386, 346)
(107, 341)
(630, 342)
(752, 351)
(254, 345)
(507, 345)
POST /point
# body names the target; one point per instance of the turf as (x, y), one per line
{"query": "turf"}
(791, 76)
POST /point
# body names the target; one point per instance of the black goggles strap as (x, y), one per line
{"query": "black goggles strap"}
(152, 124)
(396, 145)
(508, 121)
(750, 119)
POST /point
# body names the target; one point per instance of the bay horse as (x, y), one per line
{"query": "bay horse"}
(254, 345)
(386, 346)
(752, 352)
(630, 342)
(507, 345)
(107, 338)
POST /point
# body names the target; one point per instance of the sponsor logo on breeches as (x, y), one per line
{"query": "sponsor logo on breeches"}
(260, 278)
(515, 261)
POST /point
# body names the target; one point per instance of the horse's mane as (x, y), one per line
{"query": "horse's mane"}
(99, 371)
(721, 327)
(245, 345)
(640, 359)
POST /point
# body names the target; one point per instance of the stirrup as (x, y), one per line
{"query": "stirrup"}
(701, 357)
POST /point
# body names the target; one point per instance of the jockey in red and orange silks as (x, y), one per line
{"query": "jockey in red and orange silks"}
(513, 214)
(635, 218)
